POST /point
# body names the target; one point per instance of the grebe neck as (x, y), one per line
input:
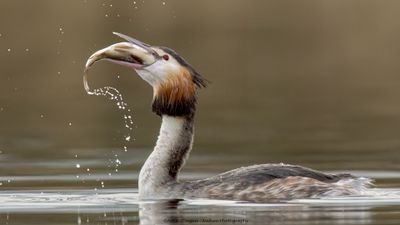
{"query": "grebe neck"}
(168, 157)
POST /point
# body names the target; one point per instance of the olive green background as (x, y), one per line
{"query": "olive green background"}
(308, 82)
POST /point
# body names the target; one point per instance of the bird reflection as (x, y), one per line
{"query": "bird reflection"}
(159, 212)
(170, 212)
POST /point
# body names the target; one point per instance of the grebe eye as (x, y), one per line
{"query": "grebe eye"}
(165, 57)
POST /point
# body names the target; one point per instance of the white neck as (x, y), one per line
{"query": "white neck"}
(168, 157)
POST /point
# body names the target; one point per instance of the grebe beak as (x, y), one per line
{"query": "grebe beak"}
(134, 54)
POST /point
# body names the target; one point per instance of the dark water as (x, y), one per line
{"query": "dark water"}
(314, 83)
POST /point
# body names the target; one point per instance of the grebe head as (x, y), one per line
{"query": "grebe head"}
(174, 81)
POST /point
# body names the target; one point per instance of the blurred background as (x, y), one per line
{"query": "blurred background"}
(314, 83)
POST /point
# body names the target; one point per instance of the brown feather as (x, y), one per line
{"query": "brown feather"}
(176, 96)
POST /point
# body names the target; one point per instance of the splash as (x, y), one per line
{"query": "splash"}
(116, 97)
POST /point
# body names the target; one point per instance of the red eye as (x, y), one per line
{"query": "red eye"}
(165, 57)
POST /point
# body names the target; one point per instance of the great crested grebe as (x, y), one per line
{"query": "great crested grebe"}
(175, 84)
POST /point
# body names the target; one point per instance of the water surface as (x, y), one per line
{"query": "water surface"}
(74, 196)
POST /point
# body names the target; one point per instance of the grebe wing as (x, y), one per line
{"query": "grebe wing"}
(263, 183)
(265, 172)
(257, 174)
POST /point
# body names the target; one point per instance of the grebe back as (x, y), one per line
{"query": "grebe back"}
(175, 84)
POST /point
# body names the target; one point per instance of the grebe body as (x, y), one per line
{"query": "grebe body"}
(175, 84)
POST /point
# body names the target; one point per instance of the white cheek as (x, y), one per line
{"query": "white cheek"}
(148, 77)
(153, 74)
(157, 72)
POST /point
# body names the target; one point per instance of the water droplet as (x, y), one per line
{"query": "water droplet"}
(76, 156)
(88, 169)
(78, 166)
(102, 184)
(118, 161)
(114, 95)
(59, 73)
(1, 183)
(9, 50)
(27, 49)
(163, 3)
(41, 116)
(70, 124)
(8, 181)
(79, 221)
(106, 15)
